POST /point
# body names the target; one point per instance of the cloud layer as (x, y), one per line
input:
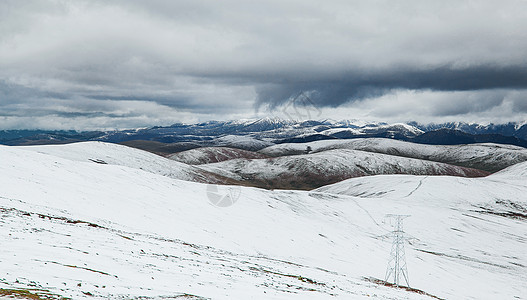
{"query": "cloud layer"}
(115, 64)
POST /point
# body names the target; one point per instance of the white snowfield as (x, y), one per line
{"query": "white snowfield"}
(488, 154)
(399, 127)
(114, 154)
(79, 229)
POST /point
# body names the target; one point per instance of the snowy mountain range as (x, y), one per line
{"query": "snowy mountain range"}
(261, 133)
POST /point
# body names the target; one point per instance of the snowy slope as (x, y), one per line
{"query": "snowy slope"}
(515, 172)
(240, 142)
(466, 212)
(432, 187)
(318, 169)
(113, 154)
(61, 233)
(489, 157)
(397, 128)
(206, 155)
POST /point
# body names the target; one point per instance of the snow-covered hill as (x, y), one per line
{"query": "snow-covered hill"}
(429, 187)
(113, 154)
(84, 230)
(240, 142)
(489, 157)
(399, 130)
(314, 170)
(207, 155)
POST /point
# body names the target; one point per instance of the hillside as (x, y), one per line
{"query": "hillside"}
(488, 157)
(163, 149)
(240, 141)
(457, 137)
(314, 170)
(85, 230)
(113, 154)
(500, 190)
(206, 155)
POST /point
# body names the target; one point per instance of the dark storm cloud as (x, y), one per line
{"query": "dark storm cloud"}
(357, 86)
(15, 93)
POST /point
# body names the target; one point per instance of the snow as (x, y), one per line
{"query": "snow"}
(212, 154)
(379, 144)
(515, 172)
(363, 129)
(519, 125)
(158, 236)
(354, 123)
(338, 130)
(242, 142)
(115, 154)
(342, 163)
(409, 128)
(487, 154)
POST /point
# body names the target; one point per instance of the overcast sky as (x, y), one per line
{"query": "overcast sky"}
(122, 64)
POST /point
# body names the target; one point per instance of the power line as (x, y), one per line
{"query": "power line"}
(397, 264)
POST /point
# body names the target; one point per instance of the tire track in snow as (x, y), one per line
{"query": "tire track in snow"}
(418, 186)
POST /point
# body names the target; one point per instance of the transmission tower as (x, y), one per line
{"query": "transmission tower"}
(397, 263)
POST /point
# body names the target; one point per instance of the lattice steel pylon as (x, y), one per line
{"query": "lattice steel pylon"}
(397, 264)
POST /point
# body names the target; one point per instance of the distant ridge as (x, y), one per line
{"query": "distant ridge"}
(259, 133)
(457, 137)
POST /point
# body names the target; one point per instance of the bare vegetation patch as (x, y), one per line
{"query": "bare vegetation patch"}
(406, 288)
(30, 294)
